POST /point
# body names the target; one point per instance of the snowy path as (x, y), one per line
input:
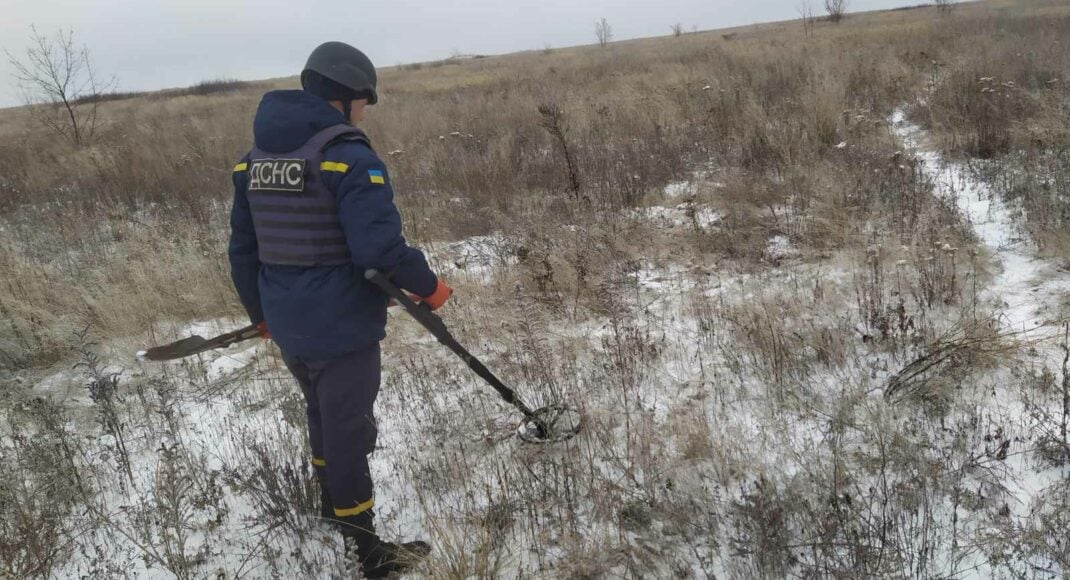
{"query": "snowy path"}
(1028, 286)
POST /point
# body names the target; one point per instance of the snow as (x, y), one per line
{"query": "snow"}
(682, 215)
(679, 189)
(780, 248)
(1026, 284)
(229, 363)
(446, 452)
(476, 257)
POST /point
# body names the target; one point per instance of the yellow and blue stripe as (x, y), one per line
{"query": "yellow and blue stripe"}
(376, 176)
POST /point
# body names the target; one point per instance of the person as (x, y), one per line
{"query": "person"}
(313, 208)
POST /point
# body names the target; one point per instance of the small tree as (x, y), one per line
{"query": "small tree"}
(553, 121)
(58, 83)
(677, 30)
(945, 6)
(837, 9)
(806, 12)
(604, 32)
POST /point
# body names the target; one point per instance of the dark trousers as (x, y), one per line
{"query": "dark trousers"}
(340, 395)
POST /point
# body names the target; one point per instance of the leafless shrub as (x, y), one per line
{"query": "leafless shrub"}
(603, 32)
(186, 496)
(1049, 407)
(214, 86)
(285, 489)
(1030, 540)
(1031, 177)
(677, 30)
(807, 15)
(35, 516)
(103, 387)
(762, 529)
(60, 85)
(553, 121)
(963, 345)
(887, 322)
(836, 9)
(945, 7)
(1064, 418)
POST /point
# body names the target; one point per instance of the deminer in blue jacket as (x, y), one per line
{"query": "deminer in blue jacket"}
(313, 208)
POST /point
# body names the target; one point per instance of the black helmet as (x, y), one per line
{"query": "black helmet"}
(335, 67)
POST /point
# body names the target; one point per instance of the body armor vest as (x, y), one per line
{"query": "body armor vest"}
(295, 214)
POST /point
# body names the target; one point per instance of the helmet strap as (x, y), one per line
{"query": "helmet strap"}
(347, 108)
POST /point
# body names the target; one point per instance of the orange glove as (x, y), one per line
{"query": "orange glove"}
(264, 332)
(439, 297)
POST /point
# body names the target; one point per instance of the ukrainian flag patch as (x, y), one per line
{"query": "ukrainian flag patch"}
(376, 176)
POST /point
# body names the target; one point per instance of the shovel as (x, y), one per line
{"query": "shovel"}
(198, 344)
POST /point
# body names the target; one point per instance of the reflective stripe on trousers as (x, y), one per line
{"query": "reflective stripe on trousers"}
(340, 399)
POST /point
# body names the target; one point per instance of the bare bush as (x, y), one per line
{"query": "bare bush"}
(807, 15)
(836, 9)
(553, 121)
(945, 7)
(59, 83)
(102, 386)
(677, 30)
(603, 32)
(34, 519)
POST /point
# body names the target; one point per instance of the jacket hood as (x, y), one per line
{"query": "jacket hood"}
(285, 120)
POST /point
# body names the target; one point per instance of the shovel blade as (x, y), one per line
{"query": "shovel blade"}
(198, 344)
(178, 349)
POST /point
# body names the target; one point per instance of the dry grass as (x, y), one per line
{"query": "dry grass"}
(737, 420)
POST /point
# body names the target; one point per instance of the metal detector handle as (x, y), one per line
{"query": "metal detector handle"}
(429, 320)
(420, 311)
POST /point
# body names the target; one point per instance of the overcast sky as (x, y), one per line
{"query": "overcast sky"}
(153, 44)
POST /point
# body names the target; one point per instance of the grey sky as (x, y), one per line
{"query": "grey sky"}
(152, 44)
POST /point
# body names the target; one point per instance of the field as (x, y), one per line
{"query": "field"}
(811, 293)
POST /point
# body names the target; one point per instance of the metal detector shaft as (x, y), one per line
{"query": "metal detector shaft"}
(435, 326)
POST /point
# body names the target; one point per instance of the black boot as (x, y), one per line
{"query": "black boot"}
(387, 558)
(377, 558)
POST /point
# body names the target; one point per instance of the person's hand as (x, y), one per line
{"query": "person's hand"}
(264, 332)
(439, 297)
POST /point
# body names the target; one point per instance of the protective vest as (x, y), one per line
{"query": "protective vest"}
(294, 213)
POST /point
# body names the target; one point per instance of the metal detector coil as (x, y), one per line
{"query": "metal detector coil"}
(550, 424)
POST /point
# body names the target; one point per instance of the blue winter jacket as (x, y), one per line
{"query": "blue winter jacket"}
(324, 312)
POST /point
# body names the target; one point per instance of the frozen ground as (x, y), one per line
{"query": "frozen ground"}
(1029, 287)
(722, 405)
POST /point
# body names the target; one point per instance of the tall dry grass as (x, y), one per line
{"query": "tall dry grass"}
(770, 449)
(465, 143)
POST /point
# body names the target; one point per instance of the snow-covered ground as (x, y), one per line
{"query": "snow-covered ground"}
(722, 406)
(1029, 290)
(1029, 287)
